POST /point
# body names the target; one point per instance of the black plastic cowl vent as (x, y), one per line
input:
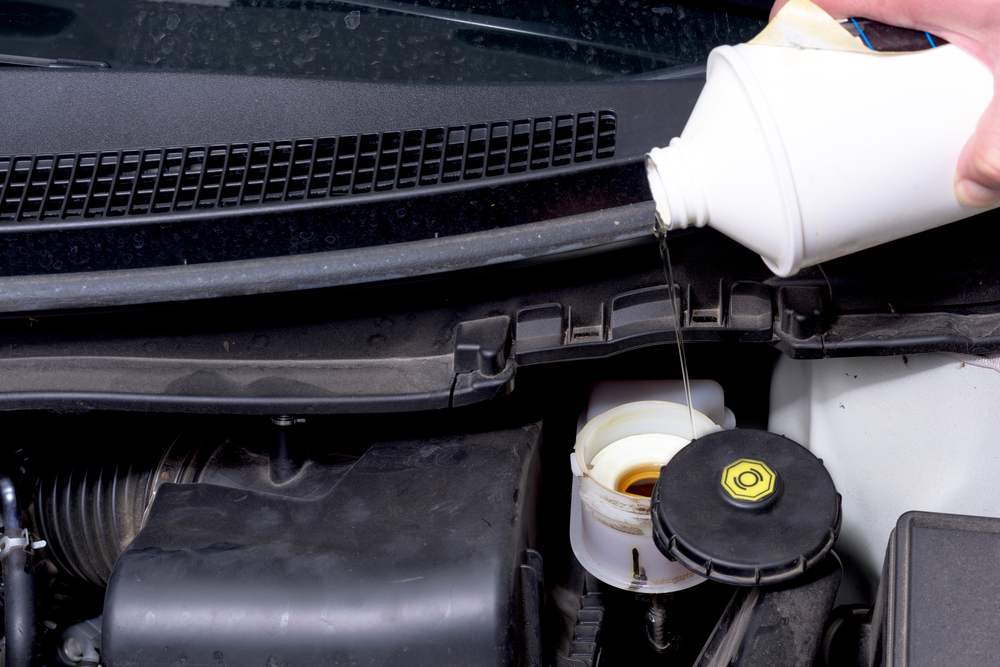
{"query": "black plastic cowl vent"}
(166, 180)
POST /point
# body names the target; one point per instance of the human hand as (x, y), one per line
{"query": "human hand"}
(974, 26)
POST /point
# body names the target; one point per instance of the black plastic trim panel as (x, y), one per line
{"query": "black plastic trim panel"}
(573, 234)
(452, 337)
(100, 172)
(52, 112)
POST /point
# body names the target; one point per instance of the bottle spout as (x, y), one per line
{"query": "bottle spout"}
(661, 218)
(680, 201)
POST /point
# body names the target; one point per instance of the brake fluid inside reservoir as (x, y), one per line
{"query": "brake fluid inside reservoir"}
(632, 465)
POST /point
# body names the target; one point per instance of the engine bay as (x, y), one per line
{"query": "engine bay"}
(444, 536)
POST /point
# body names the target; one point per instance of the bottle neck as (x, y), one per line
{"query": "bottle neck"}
(680, 201)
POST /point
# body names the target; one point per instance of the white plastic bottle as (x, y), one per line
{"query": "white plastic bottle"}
(805, 145)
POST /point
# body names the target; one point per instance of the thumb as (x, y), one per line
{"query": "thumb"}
(977, 178)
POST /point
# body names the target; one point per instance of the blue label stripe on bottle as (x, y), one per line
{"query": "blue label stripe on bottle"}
(862, 33)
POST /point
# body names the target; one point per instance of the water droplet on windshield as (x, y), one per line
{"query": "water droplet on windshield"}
(173, 21)
(353, 20)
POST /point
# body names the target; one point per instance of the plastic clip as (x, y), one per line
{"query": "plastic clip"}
(8, 544)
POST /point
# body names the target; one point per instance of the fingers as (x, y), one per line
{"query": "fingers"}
(777, 7)
(977, 179)
(903, 13)
(837, 8)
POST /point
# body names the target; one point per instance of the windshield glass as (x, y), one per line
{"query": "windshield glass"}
(383, 40)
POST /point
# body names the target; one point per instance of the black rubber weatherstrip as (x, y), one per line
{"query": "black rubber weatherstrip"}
(587, 231)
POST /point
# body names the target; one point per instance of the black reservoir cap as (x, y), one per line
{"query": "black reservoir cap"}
(745, 507)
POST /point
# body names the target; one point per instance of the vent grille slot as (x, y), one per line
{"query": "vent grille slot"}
(130, 182)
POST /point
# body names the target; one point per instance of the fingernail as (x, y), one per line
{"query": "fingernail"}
(974, 195)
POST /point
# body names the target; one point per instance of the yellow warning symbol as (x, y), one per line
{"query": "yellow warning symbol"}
(747, 479)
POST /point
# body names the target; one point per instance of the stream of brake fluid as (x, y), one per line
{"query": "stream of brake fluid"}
(668, 270)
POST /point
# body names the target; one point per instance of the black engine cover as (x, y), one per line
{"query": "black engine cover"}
(414, 558)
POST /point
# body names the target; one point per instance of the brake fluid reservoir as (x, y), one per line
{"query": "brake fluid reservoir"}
(616, 463)
(806, 145)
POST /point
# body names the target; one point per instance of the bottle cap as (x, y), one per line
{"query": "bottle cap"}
(745, 507)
